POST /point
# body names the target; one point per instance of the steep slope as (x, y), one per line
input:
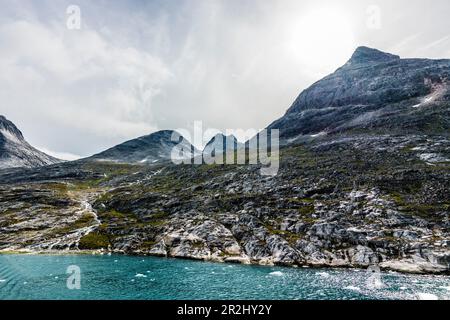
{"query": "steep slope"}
(374, 91)
(16, 152)
(219, 143)
(152, 148)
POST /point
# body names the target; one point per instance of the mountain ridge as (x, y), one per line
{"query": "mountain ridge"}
(16, 152)
(222, 145)
(365, 54)
(374, 90)
(157, 146)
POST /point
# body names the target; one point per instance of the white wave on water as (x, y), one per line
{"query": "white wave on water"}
(323, 274)
(277, 273)
(140, 275)
(445, 288)
(352, 288)
(2, 280)
(426, 296)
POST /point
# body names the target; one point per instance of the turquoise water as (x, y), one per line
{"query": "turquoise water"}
(125, 277)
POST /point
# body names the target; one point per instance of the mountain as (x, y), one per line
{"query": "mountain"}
(373, 91)
(221, 142)
(15, 151)
(152, 148)
(368, 186)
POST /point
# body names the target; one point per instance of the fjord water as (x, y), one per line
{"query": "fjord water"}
(127, 277)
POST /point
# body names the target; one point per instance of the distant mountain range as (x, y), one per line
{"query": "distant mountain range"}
(159, 146)
(373, 92)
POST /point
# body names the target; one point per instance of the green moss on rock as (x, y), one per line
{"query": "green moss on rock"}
(93, 241)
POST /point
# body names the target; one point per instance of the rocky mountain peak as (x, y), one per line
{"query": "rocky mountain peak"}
(367, 55)
(159, 136)
(157, 146)
(8, 130)
(221, 140)
(374, 91)
(16, 152)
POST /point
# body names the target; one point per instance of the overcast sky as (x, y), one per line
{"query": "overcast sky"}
(135, 67)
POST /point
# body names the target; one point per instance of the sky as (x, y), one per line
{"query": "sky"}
(77, 84)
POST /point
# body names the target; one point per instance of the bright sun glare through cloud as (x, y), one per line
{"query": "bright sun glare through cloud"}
(321, 39)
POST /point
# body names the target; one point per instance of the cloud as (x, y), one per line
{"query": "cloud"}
(406, 44)
(77, 80)
(436, 43)
(60, 155)
(141, 66)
